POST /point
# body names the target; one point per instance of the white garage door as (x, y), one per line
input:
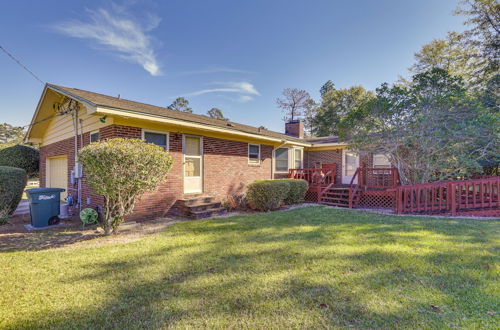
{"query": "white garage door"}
(57, 173)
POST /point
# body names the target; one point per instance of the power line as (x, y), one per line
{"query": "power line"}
(21, 65)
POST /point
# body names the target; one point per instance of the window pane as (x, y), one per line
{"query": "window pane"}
(281, 159)
(192, 146)
(350, 163)
(298, 158)
(253, 153)
(156, 138)
(94, 137)
(381, 161)
(192, 166)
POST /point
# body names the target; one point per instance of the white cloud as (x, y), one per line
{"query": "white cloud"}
(119, 32)
(245, 98)
(212, 70)
(242, 87)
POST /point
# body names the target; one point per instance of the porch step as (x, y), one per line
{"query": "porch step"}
(208, 213)
(198, 207)
(338, 196)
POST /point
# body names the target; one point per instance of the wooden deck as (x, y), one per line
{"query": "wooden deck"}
(381, 188)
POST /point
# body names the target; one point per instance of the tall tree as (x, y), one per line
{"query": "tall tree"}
(336, 106)
(483, 20)
(432, 129)
(216, 114)
(181, 104)
(328, 86)
(10, 135)
(294, 102)
(454, 55)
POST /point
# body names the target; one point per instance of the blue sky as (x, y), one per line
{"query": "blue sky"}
(234, 55)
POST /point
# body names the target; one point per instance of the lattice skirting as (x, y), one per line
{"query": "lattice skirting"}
(311, 195)
(378, 199)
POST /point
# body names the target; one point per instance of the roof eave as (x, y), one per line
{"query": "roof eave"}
(150, 117)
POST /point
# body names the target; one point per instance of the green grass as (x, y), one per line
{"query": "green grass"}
(313, 267)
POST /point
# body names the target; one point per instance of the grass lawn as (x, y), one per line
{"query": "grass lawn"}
(313, 267)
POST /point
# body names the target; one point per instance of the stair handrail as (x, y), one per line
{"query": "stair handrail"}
(324, 190)
(354, 176)
(352, 192)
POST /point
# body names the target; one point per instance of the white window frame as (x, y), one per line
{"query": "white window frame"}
(301, 157)
(288, 160)
(94, 132)
(144, 131)
(248, 155)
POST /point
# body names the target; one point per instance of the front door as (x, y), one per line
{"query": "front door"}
(193, 164)
(350, 163)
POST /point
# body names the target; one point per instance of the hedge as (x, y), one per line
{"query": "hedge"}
(12, 183)
(267, 195)
(20, 156)
(297, 192)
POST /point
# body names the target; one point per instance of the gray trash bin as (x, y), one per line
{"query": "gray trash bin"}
(44, 206)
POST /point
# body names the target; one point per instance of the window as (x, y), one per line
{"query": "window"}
(253, 153)
(298, 158)
(158, 138)
(381, 161)
(94, 136)
(281, 160)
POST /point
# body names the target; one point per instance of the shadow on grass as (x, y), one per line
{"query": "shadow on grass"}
(270, 271)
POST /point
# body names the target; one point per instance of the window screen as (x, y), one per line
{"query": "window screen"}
(94, 137)
(160, 139)
(281, 159)
(298, 158)
(254, 153)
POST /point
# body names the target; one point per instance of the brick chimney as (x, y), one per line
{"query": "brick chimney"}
(295, 128)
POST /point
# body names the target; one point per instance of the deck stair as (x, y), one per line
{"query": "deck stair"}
(199, 207)
(340, 196)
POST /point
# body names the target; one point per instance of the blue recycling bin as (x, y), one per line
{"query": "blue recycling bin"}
(44, 206)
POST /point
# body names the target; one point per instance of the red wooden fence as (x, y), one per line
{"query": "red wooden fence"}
(314, 176)
(477, 195)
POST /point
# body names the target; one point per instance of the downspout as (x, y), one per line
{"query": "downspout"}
(74, 114)
(80, 179)
(283, 142)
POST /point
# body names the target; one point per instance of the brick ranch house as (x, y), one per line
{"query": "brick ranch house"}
(212, 158)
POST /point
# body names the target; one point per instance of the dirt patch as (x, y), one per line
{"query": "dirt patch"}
(14, 237)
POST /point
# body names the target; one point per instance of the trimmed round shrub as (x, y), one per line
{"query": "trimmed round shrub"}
(12, 183)
(122, 170)
(297, 192)
(20, 156)
(267, 195)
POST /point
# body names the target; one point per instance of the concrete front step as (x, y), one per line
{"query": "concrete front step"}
(197, 207)
(197, 200)
(208, 213)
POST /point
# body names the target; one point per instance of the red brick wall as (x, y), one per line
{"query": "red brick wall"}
(226, 170)
(226, 166)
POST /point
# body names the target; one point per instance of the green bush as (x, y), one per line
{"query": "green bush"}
(20, 156)
(297, 192)
(122, 170)
(267, 195)
(12, 183)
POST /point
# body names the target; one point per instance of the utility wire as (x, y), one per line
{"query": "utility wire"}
(21, 65)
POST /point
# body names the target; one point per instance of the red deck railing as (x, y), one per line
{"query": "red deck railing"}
(314, 176)
(449, 197)
(378, 177)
